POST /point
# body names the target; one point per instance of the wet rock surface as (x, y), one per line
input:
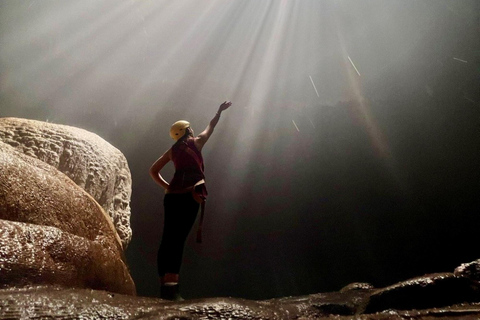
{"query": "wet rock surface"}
(435, 290)
(434, 296)
(52, 231)
(469, 270)
(53, 302)
(46, 255)
(91, 162)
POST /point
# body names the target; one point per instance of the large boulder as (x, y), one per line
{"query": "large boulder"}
(53, 231)
(87, 159)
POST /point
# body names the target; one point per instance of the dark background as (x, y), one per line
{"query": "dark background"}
(375, 179)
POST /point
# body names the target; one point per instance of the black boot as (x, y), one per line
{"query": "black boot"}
(170, 292)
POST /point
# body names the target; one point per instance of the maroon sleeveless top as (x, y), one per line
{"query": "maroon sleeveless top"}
(188, 162)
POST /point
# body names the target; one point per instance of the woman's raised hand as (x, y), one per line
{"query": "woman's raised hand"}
(224, 106)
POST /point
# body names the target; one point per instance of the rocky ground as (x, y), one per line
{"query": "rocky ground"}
(435, 296)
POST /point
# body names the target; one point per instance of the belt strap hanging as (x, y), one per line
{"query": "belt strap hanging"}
(200, 224)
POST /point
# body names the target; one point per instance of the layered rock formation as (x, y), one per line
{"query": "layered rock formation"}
(53, 231)
(88, 160)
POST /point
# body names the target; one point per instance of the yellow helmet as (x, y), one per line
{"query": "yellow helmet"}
(178, 129)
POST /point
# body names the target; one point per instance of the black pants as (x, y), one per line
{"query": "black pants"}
(180, 214)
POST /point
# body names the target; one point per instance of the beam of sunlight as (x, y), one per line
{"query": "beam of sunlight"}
(263, 81)
(177, 56)
(251, 71)
(61, 55)
(376, 136)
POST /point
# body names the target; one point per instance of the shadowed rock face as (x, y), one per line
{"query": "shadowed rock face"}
(91, 162)
(53, 231)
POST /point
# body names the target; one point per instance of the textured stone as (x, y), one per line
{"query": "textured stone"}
(90, 161)
(41, 199)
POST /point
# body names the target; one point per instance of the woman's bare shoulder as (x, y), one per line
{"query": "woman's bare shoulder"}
(199, 143)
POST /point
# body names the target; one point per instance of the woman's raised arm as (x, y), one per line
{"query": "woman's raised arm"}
(202, 138)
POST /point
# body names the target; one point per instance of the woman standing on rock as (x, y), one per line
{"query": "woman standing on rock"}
(183, 196)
